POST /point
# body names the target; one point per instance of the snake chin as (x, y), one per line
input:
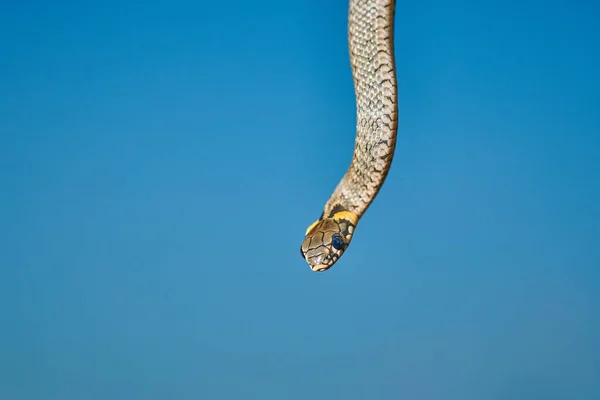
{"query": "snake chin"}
(319, 268)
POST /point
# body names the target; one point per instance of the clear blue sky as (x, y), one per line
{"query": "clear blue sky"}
(160, 161)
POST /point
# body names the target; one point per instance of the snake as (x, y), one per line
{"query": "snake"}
(371, 49)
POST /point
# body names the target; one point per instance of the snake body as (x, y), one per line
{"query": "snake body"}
(371, 48)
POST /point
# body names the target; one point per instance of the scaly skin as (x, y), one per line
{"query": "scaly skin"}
(371, 46)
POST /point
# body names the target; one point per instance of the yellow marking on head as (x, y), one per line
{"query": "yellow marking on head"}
(346, 215)
(311, 226)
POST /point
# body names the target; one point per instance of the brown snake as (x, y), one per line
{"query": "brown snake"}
(371, 46)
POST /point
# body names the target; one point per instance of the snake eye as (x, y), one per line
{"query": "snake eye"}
(302, 253)
(336, 241)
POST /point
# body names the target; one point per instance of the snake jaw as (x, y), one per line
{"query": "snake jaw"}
(319, 267)
(327, 239)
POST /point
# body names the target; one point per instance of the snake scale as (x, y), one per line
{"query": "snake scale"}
(371, 48)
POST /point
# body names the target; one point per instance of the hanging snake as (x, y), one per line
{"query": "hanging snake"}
(371, 47)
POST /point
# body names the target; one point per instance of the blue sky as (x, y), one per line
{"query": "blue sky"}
(160, 161)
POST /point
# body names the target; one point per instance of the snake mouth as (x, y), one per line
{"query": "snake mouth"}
(319, 267)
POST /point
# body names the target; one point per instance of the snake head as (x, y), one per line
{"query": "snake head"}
(327, 239)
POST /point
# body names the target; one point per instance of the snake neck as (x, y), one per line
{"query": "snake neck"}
(362, 182)
(333, 208)
(371, 47)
